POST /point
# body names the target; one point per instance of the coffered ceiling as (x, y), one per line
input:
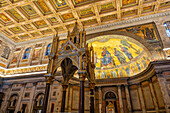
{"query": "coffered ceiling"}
(23, 20)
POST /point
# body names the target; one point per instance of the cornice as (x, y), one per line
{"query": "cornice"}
(96, 28)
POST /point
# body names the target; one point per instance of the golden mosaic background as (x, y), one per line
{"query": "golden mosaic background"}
(22, 20)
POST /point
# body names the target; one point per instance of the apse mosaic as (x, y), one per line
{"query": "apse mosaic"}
(116, 56)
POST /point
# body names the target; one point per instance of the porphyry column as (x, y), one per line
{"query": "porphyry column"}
(63, 97)
(92, 86)
(82, 75)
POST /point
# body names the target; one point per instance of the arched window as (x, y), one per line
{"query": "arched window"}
(167, 26)
(6, 52)
(26, 53)
(47, 52)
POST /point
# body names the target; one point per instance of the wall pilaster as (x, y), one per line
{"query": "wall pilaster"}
(7, 97)
(100, 99)
(141, 98)
(128, 99)
(120, 99)
(32, 98)
(154, 96)
(164, 91)
(20, 98)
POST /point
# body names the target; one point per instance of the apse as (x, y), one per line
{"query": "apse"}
(118, 56)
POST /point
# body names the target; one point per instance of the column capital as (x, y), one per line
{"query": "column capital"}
(24, 84)
(34, 83)
(92, 85)
(82, 75)
(65, 86)
(49, 79)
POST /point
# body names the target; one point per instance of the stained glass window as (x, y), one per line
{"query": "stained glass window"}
(167, 26)
(26, 53)
(48, 49)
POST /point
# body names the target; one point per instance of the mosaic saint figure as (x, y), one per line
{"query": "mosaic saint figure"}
(120, 73)
(127, 71)
(148, 34)
(114, 74)
(103, 74)
(120, 56)
(95, 58)
(106, 57)
(127, 52)
(139, 67)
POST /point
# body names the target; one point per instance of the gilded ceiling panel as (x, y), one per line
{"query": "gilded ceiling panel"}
(109, 18)
(59, 15)
(59, 28)
(28, 27)
(148, 9)
(35, 34)
(47, 31)
(5, 20)
(42, 6)
(129, 13)
(86, 12)
(53, 20)
(16, 30)
(107, 7)
(40, 24)
(15, 15)
(89, 22)
(128, 3)
(25, 36)
(67, 17)
(28, 11)
(59, 4)
(165, 5)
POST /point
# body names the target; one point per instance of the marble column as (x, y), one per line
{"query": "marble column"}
(20, 98)
(141, 98)
(154, 96)
(31, 103)
(7, 97)
(164, 91)
(128, 99)
(100, 99)
(120, 99)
